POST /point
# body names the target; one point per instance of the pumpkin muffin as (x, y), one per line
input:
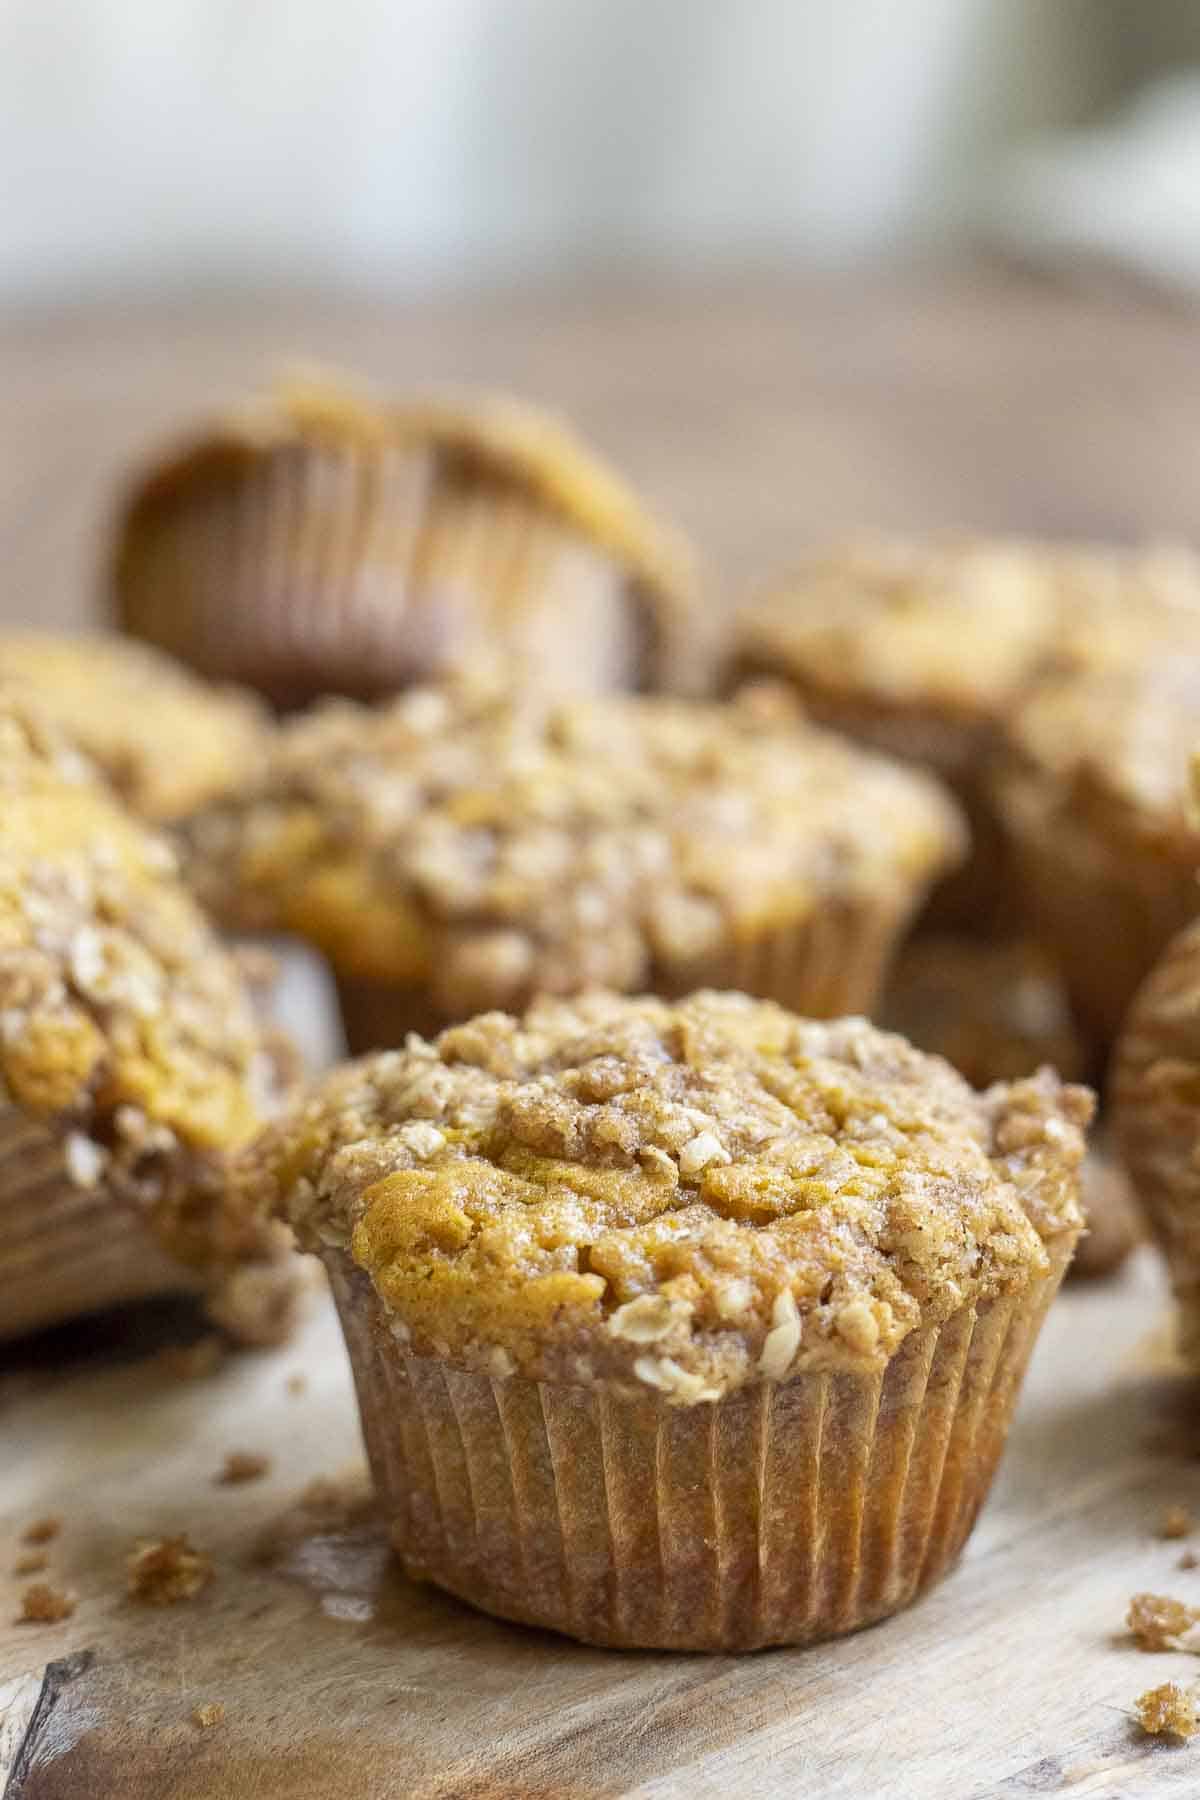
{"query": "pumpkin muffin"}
(927, 648)
(463, 849)
(1092, 791)
(319, 543)
(131, 1064)
(691, 1326)
(167, 742)
(1155, 1092)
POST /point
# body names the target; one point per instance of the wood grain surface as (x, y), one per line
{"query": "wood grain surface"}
(343, 1681)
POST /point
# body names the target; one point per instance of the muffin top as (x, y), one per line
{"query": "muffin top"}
(486, 437)
(120, 1015)
(957, 630)
(685, 1196)
(166, 740)
(464, 837)
(1109, 747)
(948, 626)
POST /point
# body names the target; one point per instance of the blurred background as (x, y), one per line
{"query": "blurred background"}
(795, 267)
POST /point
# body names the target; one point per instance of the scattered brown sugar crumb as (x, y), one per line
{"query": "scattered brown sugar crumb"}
(193, 1362)
(163, 1571)
(1169, 1708)
(1160, 1623)
(1176, 1522)
(42, 1530)
(1189, 1560)
(210, 1714)
(242, 1465)
(296, 1383)
(32, 1563)
(42, 1604)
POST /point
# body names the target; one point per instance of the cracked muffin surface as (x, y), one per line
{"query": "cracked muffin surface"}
(687, 1197)
(494, 849)
(165, 739)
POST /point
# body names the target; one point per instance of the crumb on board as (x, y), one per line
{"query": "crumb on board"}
(242, 1465)
(1168, 1709)
(42, 1604)
(1160, 1623)
(1176, 1522)
(296, 1382)
(195, 1361)
(42, 1530)
(210, 1714)
(31, 1563)
(162, 1571)
(1189, 1560)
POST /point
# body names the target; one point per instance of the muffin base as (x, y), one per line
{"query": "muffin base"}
(782, 1514)
(823, 967)
(66, 1250)
(1104, 910)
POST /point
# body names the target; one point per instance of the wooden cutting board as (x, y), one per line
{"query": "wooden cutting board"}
(343, 1681)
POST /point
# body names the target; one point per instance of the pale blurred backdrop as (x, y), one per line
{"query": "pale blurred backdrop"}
(159, 146)
(798, 267)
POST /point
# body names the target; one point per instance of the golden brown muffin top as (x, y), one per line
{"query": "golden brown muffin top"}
(1120, 608)
(949, 625)
(466, 838)
(493, 435)
(688, 1196)
(957, 629)
(166, 740)
(1110, 747)
(118, 1008)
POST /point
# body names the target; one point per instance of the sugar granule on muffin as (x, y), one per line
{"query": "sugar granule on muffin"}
(462, 849)
(669, 1221)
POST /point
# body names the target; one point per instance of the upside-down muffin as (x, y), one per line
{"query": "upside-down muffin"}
(319, 543)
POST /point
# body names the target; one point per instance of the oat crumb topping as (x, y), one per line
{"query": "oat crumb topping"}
(681, 1196)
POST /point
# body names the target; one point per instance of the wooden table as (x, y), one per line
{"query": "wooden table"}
(762, 417)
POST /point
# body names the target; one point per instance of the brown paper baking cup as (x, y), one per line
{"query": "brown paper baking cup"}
(823, 967)
(1105, 911)
(359, 563)
(784, 1513)
(66, 1249)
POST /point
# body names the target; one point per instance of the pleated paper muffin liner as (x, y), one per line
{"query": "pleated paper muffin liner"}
(784, 1513)
(71, 1246)
(360, 558)
(66, 1248)
(1155, 1096)
(1105, 910)
(824, 966)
